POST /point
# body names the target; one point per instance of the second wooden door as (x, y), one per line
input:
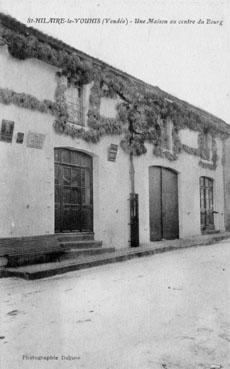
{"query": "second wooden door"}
(163, 204)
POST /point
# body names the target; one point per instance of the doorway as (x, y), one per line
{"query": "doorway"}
(73, 191)
(163, 203)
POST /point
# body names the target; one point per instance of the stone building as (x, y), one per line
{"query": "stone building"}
(88, 149)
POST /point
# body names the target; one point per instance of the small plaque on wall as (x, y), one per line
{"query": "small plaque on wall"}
(112, 153)
(7, 129)
(20, 137)
(35, 140)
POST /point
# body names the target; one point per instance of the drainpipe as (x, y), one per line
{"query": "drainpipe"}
(134, 211)
(132, 173)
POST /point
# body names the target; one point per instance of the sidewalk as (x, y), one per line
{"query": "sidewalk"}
(49, 269)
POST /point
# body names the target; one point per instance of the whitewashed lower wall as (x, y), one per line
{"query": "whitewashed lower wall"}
(30, 76)
(189, 173)
(189, 137)
(27, 184)
(27, 181)
(27, 174)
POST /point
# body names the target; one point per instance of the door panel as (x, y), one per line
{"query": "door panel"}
(73, 191)
(155, 203)
(169, 204)
(206, 203)
(163, 195)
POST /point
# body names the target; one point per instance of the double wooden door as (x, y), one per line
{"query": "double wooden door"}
(163, 204)
(73, 191)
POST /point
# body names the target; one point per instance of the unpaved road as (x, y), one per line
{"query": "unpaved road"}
(165, 311)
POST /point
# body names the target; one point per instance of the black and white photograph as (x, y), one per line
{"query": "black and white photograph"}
(115, 184)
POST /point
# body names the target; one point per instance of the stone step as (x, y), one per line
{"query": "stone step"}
(38, 271)
(84, 244)
(28, 245)
(45, 270)
(63, 237)
(80, 253)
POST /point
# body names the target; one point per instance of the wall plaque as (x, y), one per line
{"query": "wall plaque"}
(112, 153)
(20, 137)
(35, 140)
(7, 129)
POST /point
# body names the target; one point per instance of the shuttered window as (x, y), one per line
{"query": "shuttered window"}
(206, 203)
(74, 101)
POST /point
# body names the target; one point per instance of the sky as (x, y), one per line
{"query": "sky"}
(186, 57)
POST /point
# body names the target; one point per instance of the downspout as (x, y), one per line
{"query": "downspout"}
(134, 211)
(132, 173)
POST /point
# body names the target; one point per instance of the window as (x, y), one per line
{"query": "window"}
(206, 204)
(167, 134)
(74, 101)
(206, 146)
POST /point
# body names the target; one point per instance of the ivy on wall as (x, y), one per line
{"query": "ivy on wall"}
(26, 101)
(147, 109)
(211, 166)
(28, 46)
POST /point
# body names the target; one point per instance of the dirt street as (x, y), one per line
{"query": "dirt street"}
(165, 311)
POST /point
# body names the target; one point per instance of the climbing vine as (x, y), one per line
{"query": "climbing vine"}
(26, 101)
(28, 46)
(141, 107)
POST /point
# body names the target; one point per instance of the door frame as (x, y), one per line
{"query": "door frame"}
(73, 149)
(178, 196)
(210, 226)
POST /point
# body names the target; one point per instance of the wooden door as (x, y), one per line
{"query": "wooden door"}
(170, 218)
(163, 202)
(206, 204)
(155, 203)
(73, 191)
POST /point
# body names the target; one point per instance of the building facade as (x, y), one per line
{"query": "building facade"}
(80, 139)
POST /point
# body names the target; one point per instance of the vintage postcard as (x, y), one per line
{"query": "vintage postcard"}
(115, 184)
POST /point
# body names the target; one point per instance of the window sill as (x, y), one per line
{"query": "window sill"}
(209, 231)
(169, 151)
(206, 161)
(74, 124)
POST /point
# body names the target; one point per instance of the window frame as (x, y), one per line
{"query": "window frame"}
(167, 133)
(76, 108)
(206, 203)
(207, 143)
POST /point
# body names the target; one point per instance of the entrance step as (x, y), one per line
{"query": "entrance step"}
(85, 244)
(70, 264)
(38, 271)
(79, 253)
(23, 251)
(78, 236)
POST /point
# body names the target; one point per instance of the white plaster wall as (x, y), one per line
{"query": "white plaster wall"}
(31, 76)
(27, 174)
(113, 178)
(26, 182)
(189, 137)
(189, 173)
(108, 107)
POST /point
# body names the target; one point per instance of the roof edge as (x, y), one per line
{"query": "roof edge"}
(15, 25)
